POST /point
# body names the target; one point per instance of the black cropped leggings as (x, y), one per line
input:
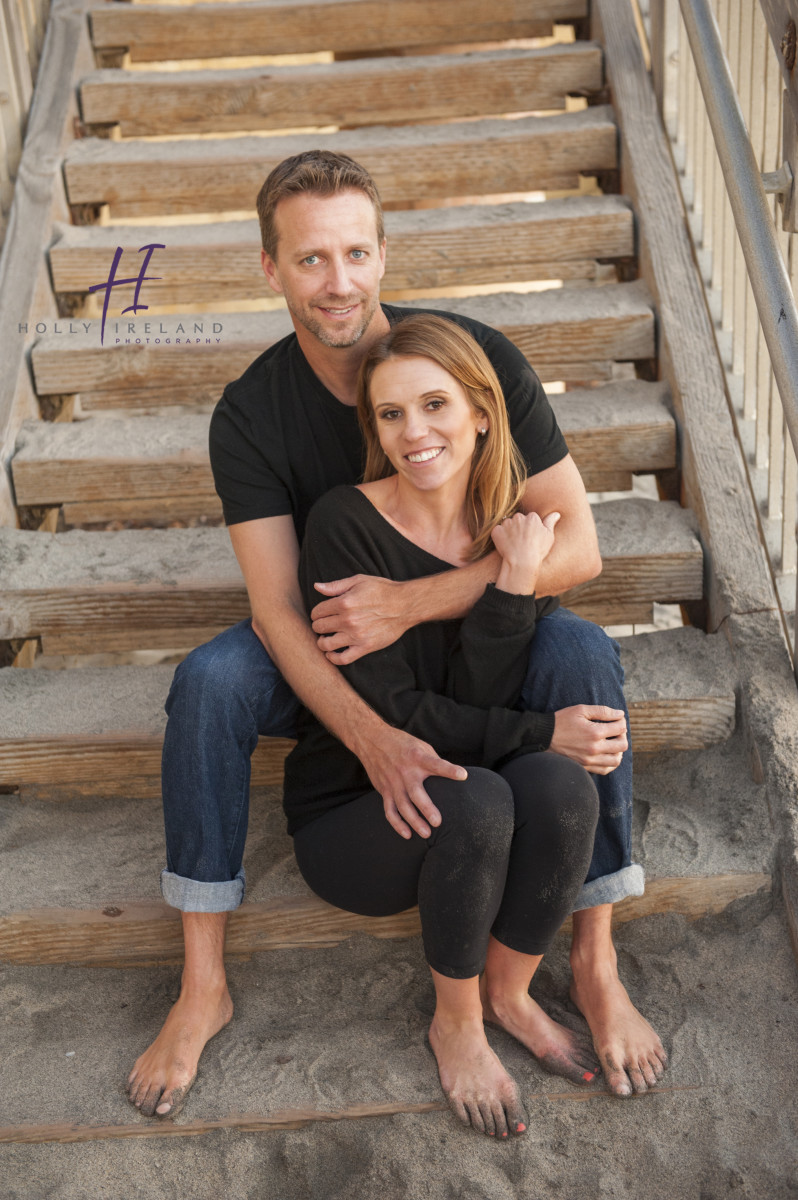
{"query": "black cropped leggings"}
(508, 859)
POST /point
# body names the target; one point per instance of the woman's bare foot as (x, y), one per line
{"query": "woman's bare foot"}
(559, 1051)
(631, 1054)
(165, 1071)
(479, 1090)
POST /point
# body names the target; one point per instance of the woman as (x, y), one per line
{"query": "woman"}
(510, 845)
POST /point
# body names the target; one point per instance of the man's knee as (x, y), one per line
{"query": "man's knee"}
(572, 661)
(229, 671)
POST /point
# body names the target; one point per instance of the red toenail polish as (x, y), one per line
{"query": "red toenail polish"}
(589, 1076)
(504, 1135)
(520, 1128)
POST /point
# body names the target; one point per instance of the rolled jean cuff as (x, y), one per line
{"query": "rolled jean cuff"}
(192, 895)
(609, 889)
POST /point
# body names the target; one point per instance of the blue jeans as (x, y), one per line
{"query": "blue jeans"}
(228, 692)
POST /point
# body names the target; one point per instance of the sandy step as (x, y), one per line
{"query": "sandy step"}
(153, 32)
(427, 248)
(699, 837)
(140, 934)
(88, 467)
(97, 728)
(380, 91)
(410, 163)
(565, 333)
(85, 592)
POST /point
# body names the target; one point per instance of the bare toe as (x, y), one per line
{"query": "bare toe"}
(151, 1098)
(648, 1072)
(488, 1123)
(617, 1080)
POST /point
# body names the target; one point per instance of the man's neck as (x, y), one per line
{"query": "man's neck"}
(337, 366)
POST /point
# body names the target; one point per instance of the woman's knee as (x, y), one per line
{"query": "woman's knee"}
(480, 809)
(551, 782)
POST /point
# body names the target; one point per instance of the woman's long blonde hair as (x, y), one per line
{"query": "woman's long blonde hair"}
(498, 472)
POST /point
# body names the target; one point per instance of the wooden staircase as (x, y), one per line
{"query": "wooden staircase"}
(459, 117)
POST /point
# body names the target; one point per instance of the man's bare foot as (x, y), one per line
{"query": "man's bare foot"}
(631, 1055)
(559, 1051)
(479, 1090)
(165, 1071)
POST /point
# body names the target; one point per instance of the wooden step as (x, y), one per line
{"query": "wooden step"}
(89, 468)
(427, 248)
(155, 32)
(381, 91)
(410, 163)
(565, 333)
(83, 592)
(138, 933)
(100, 729)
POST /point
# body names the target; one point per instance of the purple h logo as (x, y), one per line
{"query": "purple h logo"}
(112, 282)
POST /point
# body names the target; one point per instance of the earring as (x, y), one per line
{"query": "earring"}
(482, 431)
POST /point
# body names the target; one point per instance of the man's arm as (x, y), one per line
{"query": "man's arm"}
(574, 557)
(397, 763)
(365, 613)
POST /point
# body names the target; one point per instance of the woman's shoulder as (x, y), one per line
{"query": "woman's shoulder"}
(340, 514)
(338, 500)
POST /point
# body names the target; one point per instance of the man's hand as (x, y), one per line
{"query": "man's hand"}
(592, 735)
(397, 764)
(364, 613)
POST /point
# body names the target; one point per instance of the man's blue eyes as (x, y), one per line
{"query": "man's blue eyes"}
(312, 259)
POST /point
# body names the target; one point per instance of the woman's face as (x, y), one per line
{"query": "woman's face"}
(425, 422)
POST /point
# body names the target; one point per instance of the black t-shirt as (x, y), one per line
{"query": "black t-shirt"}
(279, 439)
(453, 683)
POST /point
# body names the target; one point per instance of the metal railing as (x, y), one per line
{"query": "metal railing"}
(22, 25)
(719, 82)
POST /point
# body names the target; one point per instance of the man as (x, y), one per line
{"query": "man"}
(281, 436)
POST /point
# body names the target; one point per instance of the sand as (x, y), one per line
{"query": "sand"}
(327, 1030)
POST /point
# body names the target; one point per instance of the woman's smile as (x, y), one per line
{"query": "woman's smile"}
(426, 424)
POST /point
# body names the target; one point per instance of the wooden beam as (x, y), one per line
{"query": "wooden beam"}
(87, 465)
(740, 591)
(712, 471)
(92, 725)
(136, 933)
(82, 592)
(153, 32)
(25, 295)
(383, 91)
(67, 1132)
(427, 248)
(142, 178)
(561, 326)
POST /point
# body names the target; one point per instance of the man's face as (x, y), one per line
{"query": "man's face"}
(328, 264)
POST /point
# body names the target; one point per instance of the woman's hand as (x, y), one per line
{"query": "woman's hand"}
(523, 541)
(592, 735)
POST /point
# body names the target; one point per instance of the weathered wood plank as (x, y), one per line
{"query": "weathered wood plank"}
(557, 326)
(380, 91)
(88, 467)
(25, 295)
(152, 32)
(408, 163)
(427, 248)
(92, 725)
(712, 470)
(141, 934)
(178, 586)
(152, 511)
(245, 1122)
